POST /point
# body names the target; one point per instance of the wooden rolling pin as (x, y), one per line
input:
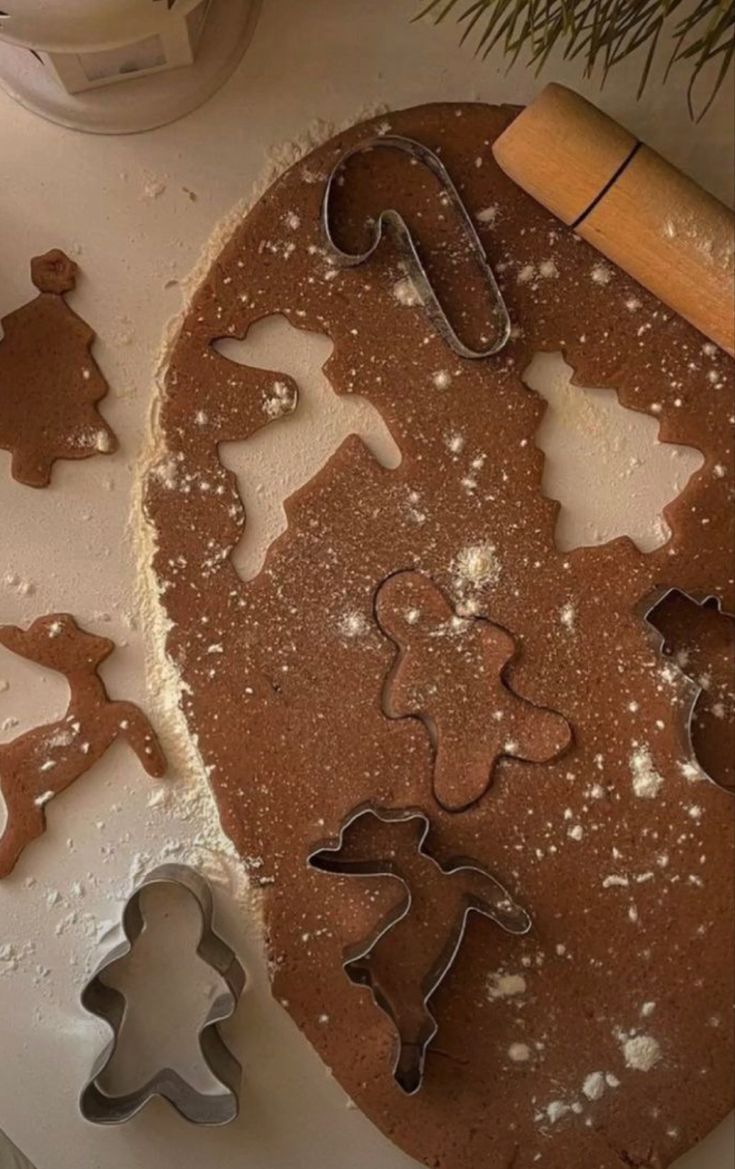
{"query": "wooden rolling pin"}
(628, 202)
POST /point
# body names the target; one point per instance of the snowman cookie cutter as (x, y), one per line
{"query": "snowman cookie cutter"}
(392, 221)
(694, 690)
(213, 1109)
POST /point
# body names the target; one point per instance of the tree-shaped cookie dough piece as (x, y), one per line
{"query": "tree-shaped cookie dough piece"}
(411, 951)
(49, 382)
(39, 764)
(449, 673)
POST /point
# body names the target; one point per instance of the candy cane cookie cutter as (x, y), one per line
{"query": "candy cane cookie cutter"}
(391, 221)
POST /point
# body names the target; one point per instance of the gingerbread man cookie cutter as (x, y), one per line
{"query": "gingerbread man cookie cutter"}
(213, 1109)
(392, 221)
(646, 609)
(415, 1025)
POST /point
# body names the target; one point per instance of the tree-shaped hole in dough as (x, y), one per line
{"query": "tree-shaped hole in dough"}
(604, 462)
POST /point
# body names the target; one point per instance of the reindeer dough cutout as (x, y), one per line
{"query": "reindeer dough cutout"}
(49, 382)
(43, 762)
(449, 673)
(307, 427)
(410, 953)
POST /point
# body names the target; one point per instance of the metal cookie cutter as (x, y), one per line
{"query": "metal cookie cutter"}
(647, 608)
(404, 997)
(393, 221)
(110, 1005)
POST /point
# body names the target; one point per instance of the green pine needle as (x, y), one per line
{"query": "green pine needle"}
(603, 33)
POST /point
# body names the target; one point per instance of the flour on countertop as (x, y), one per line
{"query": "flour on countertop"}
(13, 956)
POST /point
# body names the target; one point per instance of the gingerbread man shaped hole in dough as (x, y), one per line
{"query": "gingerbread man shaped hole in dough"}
(448, 672)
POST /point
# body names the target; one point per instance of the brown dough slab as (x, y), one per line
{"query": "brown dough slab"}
(602, 1038)
(41, 763)
(49, 382)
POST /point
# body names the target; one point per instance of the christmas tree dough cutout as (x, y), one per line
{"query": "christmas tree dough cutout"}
(413, 948)
(43, 762)
(49, 382)
(449, 673)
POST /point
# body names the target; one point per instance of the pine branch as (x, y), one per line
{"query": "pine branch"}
(603, 33)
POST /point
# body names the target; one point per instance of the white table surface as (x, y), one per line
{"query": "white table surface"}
(122, 208)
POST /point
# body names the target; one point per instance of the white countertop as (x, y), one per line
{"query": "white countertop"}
(122, 207)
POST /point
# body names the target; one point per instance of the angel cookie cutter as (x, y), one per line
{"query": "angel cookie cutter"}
(405, 996)
(392, 221)
(214, 1109)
